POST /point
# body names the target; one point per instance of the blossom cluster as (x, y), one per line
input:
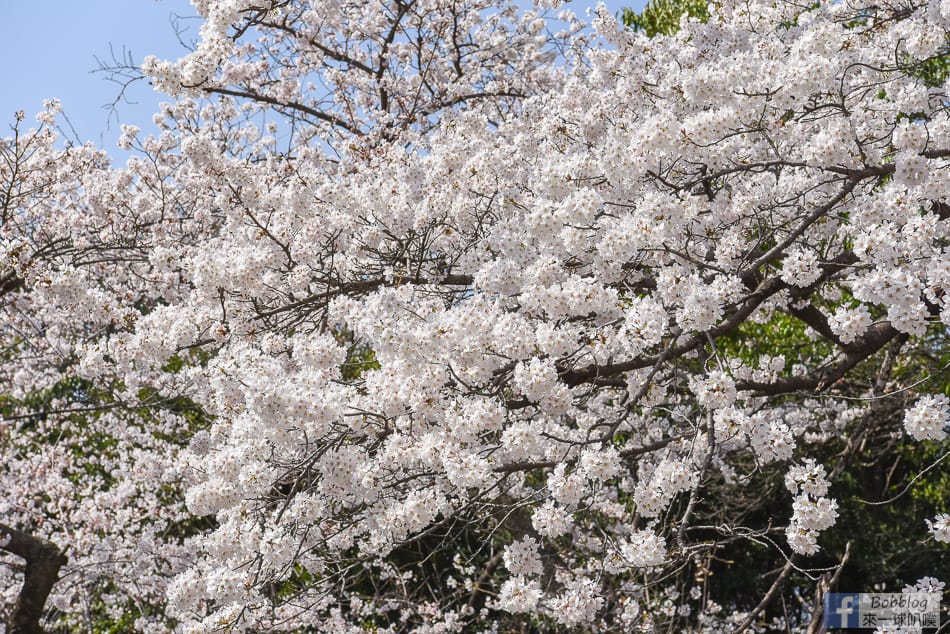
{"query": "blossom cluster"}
(812, 511)
(425, 316)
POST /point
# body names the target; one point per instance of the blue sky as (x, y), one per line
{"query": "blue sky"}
(53, 46)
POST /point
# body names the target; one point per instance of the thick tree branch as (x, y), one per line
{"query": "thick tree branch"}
(876, 338)
(593, 372)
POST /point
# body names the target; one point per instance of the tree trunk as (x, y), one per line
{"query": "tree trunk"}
(43, 562)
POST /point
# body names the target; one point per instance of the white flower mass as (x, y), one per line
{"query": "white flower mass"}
(440, 316)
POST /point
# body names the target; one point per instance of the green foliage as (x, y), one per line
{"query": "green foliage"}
(663, 16)
(41, 402)
(781, 335)
(884, 490)
(933, 71)
(300, 578)
(108, 612)
(360, 357)
(890, 544)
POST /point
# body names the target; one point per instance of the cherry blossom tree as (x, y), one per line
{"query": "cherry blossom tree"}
(663, 16)
(462, 316)
(91, 489)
